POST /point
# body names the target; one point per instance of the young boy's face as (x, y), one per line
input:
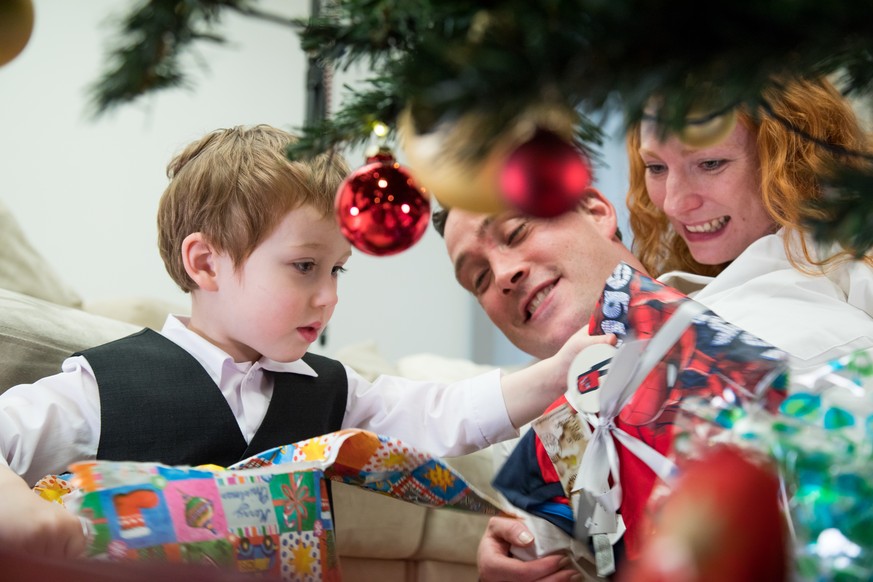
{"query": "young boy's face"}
(281, 298)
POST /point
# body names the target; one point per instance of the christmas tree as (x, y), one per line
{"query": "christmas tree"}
(482, 67)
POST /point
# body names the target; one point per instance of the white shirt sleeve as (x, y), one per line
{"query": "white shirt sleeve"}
(47, 425)
(437, 418)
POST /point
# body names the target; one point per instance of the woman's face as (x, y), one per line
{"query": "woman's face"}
(711, 195)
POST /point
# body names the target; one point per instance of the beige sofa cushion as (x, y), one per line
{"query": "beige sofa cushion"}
(36, 336)
(364, 516)
(24, 270)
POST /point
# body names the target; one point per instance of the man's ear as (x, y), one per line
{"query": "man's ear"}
(198, 256)
(601, 210)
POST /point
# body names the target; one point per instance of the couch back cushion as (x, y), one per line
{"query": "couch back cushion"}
(36, 336)
(24, 270)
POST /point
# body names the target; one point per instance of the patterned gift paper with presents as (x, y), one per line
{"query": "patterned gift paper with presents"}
(711, 358)
(269, 514)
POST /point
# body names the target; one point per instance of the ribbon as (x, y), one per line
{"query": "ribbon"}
(629, 367)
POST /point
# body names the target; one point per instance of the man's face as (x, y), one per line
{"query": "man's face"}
(537, 279)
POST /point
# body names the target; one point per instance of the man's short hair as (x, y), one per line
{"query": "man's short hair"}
(440, 215)
(438, 218)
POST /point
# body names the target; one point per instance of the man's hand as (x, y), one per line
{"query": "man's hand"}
(497, 565)
(33, 525)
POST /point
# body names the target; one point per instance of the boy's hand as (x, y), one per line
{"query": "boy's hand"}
(528, 392)
(577, 342)
(33, 525)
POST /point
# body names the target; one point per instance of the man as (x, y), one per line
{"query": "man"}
(538, 280)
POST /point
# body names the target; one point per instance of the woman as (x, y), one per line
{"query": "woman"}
(730, 219)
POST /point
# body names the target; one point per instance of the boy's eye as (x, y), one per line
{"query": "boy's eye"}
(305, 266)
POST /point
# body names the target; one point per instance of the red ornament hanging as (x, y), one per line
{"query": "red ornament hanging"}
(380, 209)
(545, 176)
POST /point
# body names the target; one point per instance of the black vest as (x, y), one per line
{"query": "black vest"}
(158, 404)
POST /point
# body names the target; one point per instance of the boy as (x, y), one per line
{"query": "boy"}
(252, 237)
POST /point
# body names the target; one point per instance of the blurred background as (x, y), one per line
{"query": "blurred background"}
(85, 189)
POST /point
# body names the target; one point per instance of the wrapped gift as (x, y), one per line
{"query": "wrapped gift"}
(269, 514)
(821, 440)
(639, 393)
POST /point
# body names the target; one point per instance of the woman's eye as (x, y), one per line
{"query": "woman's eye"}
(305, 267)
(337, 270)
(656, 169)
(711, 164)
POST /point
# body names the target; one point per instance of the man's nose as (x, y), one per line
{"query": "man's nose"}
(508, 277)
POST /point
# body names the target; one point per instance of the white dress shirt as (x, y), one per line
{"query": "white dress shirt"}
(47, 425)
(813, 317)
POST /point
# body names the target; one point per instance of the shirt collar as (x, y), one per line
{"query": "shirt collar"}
(214, 359)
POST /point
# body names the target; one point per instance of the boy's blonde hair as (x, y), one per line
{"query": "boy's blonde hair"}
(234, 186)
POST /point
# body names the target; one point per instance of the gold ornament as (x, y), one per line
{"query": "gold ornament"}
(701, 131)
(441, 162)
(16, 25)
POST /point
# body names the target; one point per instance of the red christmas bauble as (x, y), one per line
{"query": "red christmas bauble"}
(545, 176)
(722, 522)
(380, 208)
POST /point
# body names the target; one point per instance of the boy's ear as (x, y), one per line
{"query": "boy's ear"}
(602, 212)
(199, 256)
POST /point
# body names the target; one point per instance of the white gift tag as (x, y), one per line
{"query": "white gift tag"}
(591, 517)
(586, 375)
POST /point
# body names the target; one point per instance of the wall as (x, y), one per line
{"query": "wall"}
(85, 190)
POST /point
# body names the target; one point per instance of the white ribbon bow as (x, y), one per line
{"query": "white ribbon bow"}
(629, 367)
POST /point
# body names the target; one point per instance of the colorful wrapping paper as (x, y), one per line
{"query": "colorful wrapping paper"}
(712, 359)
(268, 515)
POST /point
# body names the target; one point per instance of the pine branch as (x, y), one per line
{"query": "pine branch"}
(495, 59)
(352, 125)
(454, 56)
(845, 213)
(150, 43)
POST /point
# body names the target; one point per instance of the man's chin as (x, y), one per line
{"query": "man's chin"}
(540, 348)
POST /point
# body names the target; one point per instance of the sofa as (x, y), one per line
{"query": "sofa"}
(43, 320)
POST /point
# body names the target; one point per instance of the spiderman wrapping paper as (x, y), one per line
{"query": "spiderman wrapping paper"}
(710, 358)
